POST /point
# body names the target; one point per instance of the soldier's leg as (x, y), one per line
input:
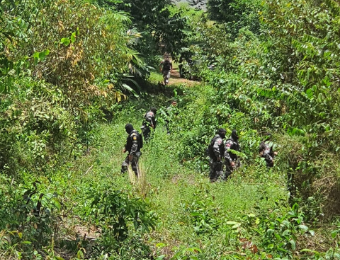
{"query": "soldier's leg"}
(216, 170)
(228, 170)
(238, 163)
(134, 164)
(125, 165)
(146, 132)
(219, 170)
(164, 77)
(212, 174)
(167, 126)
(167, 77)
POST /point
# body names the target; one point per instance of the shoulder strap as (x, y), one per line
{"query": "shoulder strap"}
(213, 140)
(134, 135)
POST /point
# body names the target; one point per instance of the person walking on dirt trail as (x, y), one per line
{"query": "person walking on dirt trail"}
(216, 152)
(266, 151)
(231, 159)
(134, 143)
(166, 68)
(149, 122)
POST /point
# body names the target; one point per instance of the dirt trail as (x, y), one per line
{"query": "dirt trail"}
(175, 79)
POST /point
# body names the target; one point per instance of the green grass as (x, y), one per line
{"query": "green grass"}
(174, 191)
(195, 218)
(155, 77)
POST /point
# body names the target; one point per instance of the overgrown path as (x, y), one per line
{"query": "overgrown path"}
(192, 213)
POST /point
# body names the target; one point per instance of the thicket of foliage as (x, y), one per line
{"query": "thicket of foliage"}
(284, 81)
(162, 27)
(236, 14)
(59, 68)
(65, 66)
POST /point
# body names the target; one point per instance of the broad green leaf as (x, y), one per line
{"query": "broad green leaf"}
(334, 233)
(43, 54)
(36, 55)
(303, 228)
(160, 245)
(65, 41)
(231, 222)
(73, 37)
(309, 93)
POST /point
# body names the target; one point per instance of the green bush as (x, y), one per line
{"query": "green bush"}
(37, 132)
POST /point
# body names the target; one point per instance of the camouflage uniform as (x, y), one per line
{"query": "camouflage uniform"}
(166, 68)
(266, 152)
(148, 123)
(134, 143)
(216, 151)
(231, 160)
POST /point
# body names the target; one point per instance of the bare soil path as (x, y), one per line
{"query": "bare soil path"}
(175, 79)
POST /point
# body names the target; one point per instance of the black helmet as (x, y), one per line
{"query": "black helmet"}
(234, 135)
(262, 147)
(128, 128)
(153, 109)
(222, 132)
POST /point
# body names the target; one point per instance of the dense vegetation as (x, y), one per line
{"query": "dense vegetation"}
(73, 73)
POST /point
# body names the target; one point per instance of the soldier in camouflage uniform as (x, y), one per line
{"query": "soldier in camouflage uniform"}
(134, 143)
(149, 122)
(231, 160)
(216, 151)
(166, 68)
(266, 152)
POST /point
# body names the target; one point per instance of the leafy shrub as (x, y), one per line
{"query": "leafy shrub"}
(37, 132)
(116, 212)
(279, 232)
(28, 216)
(204, 216)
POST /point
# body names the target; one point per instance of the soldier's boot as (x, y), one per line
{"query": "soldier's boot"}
(135, 170)
(220, 175)
(227, 174)
(124, 168)
(212, 175)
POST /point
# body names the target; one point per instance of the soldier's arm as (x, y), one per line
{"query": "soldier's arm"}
(268, 158)
(226, 152)
(153, 122)
(216, 147)
(128, 144)
(140, 141)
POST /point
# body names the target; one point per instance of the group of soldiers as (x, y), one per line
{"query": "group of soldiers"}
(134, 141)
(223, 154)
